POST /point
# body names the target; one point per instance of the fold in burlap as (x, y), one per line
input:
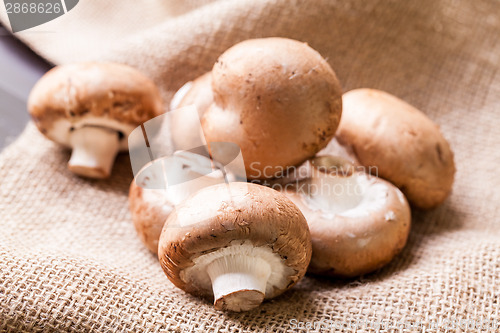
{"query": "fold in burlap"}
(70, 259)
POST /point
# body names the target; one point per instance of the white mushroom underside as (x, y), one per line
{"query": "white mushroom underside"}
(61, 129)
(365, 196)
(172, 179)
(254, 265)
(175, 194)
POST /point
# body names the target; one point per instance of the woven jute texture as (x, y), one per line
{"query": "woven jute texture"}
(70, 259)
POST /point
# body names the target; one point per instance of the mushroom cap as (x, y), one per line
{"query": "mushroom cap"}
(186, 130)
(408, 149)
(278, 99)
(359, 240)
(197, 92)
(150, 209)
(162, 184)
(213, 220)
(97, 94)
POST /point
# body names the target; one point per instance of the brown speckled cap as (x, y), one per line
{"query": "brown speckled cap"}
(361, 239)
(92, 108)
(148, 216)
(278, 99)
(221, 216)
(162, 185)
(407, 148)
(199, 94)
(186, 127)
(102, 90)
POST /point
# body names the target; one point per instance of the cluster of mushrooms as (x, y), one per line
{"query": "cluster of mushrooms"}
(312, 156)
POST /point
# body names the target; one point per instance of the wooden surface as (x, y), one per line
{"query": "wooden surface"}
(20, 68)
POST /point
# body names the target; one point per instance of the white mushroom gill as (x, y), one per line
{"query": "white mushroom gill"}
(336, 188)
(174, 178)
(62, 129)
(187, 173)
(240, 276)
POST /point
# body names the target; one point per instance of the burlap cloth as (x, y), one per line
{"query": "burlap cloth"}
(70, 259)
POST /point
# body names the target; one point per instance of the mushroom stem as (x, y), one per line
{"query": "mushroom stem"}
(334, 184)
(94, 151)
(238, 281)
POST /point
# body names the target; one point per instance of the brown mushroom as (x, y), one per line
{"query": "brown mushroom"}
(150, 209)
(91, 108)
(185, 126)
(277, 99)
(358, 222)
(238, 242)
(152, 198)
(407, 148)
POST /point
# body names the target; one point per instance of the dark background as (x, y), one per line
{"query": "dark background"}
(20, 68)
